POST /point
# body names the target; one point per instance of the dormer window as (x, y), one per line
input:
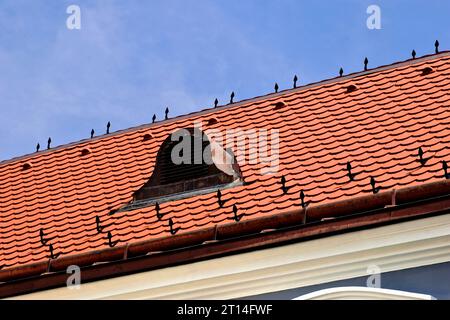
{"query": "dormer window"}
(188, 162)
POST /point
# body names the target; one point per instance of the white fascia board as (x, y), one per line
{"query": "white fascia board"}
(394, 247)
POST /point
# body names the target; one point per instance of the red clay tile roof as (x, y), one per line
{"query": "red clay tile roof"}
(378, 128)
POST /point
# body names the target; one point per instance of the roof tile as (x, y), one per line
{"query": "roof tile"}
(378, 128)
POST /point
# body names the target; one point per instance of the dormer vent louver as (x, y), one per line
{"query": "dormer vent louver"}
(189, 161)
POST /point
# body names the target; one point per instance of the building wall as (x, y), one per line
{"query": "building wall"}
(433, 280)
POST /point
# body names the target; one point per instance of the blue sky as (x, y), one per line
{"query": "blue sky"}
(131, 59)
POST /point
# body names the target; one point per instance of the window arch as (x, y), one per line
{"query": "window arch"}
(363, 293)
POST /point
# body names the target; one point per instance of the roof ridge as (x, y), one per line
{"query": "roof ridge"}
(280, 93)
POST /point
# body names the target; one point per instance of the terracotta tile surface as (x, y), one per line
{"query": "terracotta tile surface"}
(378, 128)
